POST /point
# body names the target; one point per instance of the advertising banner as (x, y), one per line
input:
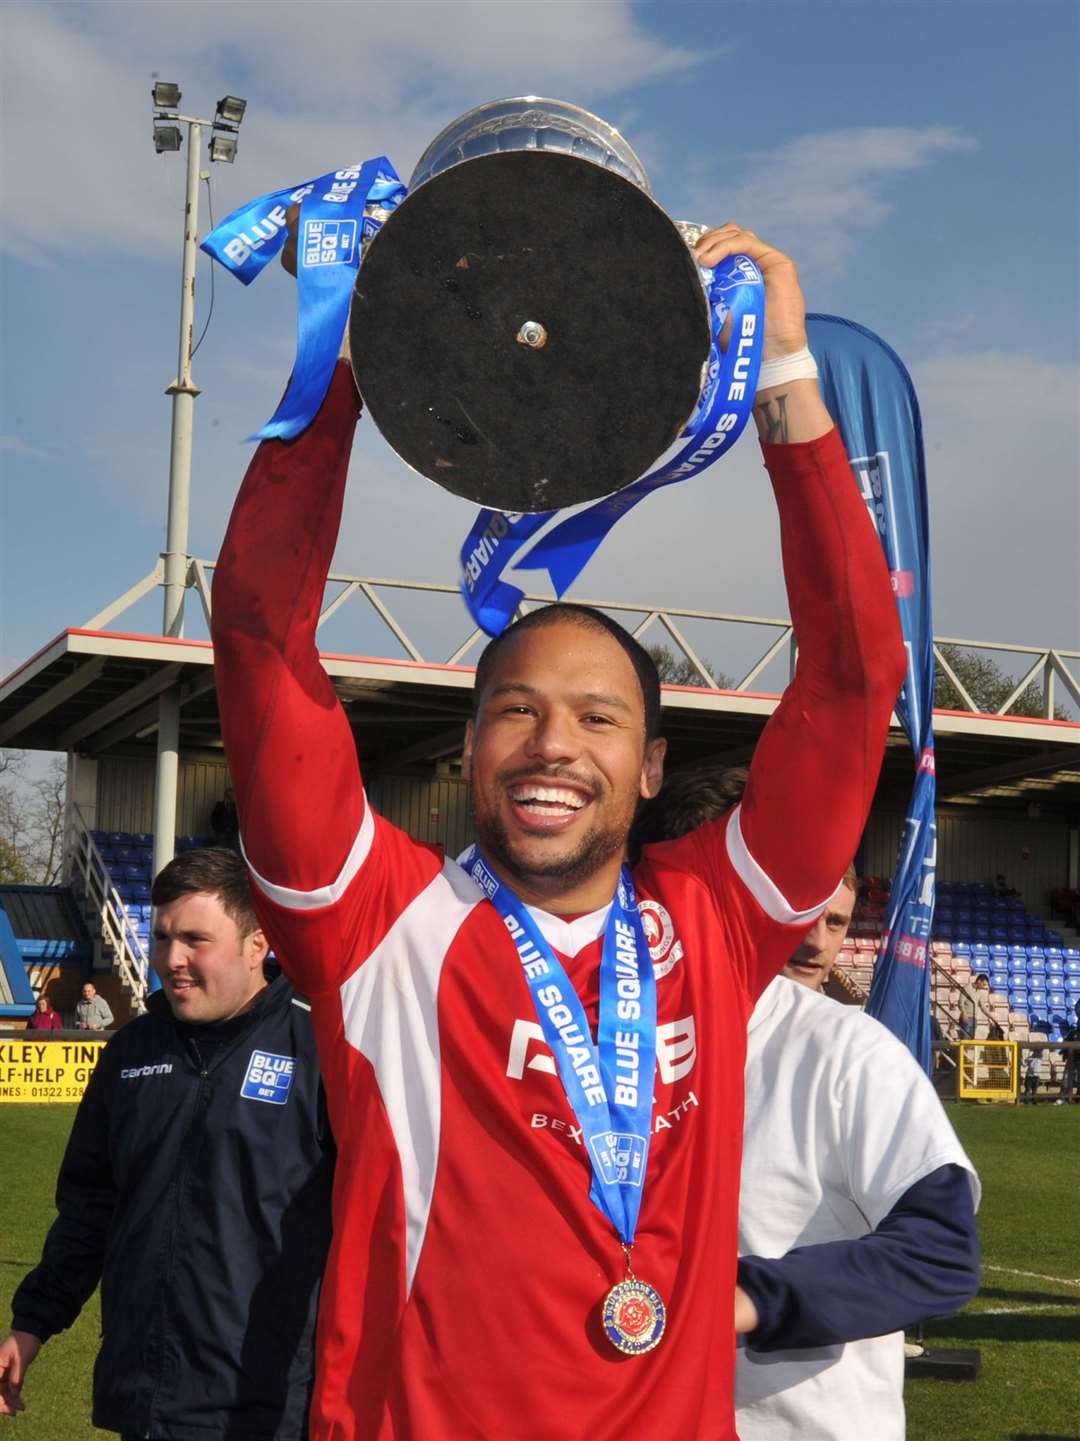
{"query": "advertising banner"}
(39, 1071)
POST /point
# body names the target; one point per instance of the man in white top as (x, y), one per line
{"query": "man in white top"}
(854, 1178)
(857, 1202)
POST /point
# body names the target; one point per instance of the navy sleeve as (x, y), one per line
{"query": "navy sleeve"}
(921, 1261)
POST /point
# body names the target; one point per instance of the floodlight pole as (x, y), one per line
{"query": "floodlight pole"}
(183, 392)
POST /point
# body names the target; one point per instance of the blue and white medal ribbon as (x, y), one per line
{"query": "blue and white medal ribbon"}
(735, 289)
(608, 1083)
(332, 230)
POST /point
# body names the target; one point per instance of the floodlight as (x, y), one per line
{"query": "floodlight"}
(166, 137)
(166, 95)
(223, 147)
(230, 110)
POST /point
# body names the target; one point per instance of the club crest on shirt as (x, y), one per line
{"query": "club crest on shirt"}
(665, 950)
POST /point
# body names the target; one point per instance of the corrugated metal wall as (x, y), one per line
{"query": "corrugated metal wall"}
(435, 809)
(126, 794)
(972, 845)
(976, 845)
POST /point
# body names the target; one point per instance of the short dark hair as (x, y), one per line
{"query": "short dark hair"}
(591, 619)
(214, 871)
(687, 799)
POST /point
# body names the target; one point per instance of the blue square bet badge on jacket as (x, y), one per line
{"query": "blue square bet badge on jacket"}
(268, 1078)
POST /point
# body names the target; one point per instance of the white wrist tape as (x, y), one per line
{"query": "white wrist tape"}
(800, 365)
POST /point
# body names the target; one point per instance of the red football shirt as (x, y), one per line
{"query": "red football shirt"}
(463, 1290)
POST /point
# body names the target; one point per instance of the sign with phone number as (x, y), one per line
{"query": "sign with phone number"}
(43, 1071)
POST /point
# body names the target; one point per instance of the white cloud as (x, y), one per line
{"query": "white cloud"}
(326, 85)
(817, 193)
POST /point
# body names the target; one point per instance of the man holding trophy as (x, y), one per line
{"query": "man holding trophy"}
(538, 1119)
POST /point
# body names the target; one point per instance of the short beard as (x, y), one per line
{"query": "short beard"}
(594, 851)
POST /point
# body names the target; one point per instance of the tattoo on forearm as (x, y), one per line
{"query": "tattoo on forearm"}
(772, 415)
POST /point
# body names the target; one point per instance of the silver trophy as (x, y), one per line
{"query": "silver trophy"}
(529, 329)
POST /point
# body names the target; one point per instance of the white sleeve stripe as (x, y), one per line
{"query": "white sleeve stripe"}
(760, 886)
(324, 895)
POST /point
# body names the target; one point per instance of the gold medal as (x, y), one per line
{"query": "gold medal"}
(633, 1314)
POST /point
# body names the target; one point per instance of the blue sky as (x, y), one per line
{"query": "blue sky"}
(918, 160)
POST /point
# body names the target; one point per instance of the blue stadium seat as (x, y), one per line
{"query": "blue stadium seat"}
(962, 948)
(980, 964)
(1018, 1001)
(1018, 965)
(1036, 953)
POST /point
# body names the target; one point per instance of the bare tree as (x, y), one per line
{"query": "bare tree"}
(681, 670)
(31, 821)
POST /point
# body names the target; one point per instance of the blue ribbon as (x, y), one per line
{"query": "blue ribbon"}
(870, 395)
(735, 289)
(332, 229)
(609, 1083)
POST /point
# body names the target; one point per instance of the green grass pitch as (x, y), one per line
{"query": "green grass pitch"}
(1025, 1321)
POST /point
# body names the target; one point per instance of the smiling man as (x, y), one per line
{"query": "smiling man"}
(195, 1187)
(534, 1060)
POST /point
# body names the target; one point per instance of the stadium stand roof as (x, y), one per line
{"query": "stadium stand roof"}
(95, 691)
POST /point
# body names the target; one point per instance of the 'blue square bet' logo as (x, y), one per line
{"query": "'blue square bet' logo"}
(620, 1158)
(268, 1078)
(329, 242)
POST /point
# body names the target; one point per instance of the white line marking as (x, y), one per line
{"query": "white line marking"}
(1035, 1275)
(1062, 1307)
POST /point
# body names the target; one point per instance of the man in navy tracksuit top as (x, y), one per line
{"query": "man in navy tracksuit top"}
(196, 1188)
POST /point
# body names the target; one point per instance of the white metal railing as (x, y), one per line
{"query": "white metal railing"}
(129, 955)
(1054, 666)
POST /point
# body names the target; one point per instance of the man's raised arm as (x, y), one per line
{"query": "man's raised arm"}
(816, 766)
(287, 740)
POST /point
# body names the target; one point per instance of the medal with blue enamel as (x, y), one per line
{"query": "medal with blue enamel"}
(633, 1315)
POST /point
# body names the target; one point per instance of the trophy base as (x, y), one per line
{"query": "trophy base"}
(529, 331)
